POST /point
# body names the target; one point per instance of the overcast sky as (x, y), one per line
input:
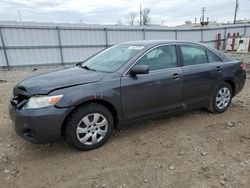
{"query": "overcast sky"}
(173, 12)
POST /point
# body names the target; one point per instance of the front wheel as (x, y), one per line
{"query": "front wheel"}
(89, 126)
(221, 99)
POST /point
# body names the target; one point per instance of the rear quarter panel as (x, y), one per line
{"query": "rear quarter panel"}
(233, 72)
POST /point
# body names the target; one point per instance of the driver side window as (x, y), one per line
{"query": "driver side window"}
(162, 57)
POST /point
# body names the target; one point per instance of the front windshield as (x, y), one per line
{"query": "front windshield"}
(111, 59)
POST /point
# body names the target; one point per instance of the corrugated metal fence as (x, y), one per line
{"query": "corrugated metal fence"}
(22, 45)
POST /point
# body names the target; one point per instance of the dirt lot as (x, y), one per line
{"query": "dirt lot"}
(196, 149)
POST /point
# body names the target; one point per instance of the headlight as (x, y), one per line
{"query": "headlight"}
(41, 101)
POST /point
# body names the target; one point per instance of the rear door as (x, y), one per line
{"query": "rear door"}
(156, 92)
(201, 72)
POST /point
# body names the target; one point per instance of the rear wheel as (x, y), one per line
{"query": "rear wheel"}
(221, 99)
(89, 127)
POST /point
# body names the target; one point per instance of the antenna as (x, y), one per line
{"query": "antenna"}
(236, 10)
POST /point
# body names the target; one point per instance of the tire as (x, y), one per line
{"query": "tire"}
(221, 99)
(89, 127)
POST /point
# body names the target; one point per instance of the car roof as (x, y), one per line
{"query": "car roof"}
(151, 43)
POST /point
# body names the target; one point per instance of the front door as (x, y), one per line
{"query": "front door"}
(155, 92)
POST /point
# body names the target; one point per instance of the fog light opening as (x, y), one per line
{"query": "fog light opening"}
(29, 133)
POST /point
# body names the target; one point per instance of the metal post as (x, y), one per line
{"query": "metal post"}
(106, 37)
(225, 38)
(201, 35)
(245, 31)
(60, 44)
(176, 36)
(143, 34)
(4, 49)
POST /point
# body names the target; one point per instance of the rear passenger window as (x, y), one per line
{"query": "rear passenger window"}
(193, 55)
(212, 58)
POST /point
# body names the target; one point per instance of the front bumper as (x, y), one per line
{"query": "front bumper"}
(39, 125)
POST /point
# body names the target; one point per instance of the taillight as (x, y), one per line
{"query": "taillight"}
(243, 66)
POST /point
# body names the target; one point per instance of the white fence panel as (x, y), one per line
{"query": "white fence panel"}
(2, 59)
(167, 35)
(33, 56)
(117, 36)
(73, 55)
(248, 31)
(235, 30)
(40, 44)
(211, 44)
(210, 34)
(29, 37)
(1, 44)
(194, 36)
(82, 37)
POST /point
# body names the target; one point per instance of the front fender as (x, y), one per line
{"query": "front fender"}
(108, 91)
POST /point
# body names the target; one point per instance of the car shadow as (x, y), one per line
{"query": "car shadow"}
(160, 120)
(62, 147)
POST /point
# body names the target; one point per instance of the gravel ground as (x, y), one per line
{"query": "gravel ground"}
(195, 149)
(244, 57)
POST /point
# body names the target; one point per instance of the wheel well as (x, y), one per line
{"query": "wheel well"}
(108, 105)
(231, 83)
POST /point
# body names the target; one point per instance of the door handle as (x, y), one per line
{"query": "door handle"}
(176, 76)
(219, 69)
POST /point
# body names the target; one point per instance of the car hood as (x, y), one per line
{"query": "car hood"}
(44, 83)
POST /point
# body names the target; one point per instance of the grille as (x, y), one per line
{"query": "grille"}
(19, 98)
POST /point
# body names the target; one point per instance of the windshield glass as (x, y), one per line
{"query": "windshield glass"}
(111, 59)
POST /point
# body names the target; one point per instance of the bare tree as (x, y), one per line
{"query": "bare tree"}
(145, 16)
(131, 18)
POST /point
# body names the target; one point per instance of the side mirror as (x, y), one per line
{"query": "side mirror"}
(139, 69)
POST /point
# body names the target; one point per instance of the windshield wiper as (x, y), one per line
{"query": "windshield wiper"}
(78, 64)
(88, 68)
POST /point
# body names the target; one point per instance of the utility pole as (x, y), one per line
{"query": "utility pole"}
(140, 16)
(236, 10)
(203, 22)
(203, 14)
